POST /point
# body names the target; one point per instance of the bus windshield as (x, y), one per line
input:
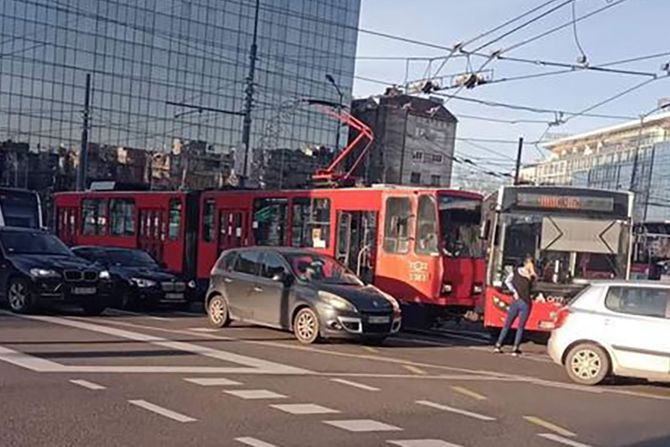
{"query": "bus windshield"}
(459, 227)
(19, 209)
(564, 248)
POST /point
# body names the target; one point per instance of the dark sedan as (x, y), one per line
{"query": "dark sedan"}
(36, 268)
(298, 290)
(139, 281)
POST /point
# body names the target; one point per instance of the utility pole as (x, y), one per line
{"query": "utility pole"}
(330, 79)
(83, 151)
(518, 161)
(249, 98)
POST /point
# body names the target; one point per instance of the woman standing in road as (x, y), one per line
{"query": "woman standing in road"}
(520, 283)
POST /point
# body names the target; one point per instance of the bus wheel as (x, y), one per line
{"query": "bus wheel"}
(217, 312)
(18, 295)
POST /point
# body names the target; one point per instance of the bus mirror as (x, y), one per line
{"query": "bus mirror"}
(485, 229)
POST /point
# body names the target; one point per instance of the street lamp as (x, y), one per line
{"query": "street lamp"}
(330, 79)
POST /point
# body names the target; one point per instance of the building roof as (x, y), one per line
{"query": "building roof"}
(629, 125)
(418, 106)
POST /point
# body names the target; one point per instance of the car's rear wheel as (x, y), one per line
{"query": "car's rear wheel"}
(306, 326)
(217, 312)
(587, 364)
(18, 295)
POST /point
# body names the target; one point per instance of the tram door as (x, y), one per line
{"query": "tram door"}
(66, 224)
(356, 237)
(232, 229)
(152, 231)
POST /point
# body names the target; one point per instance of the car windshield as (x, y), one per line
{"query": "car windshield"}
(130, 258)
(33, 243)
(312, 267)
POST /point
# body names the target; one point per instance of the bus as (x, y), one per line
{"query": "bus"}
(575, 235)
(20, 208)
(651, 250)
(421, 245)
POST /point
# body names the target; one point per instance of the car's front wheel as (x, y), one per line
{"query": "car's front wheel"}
(18, 295)
(587, 364)
(306, 326)
(217, 312)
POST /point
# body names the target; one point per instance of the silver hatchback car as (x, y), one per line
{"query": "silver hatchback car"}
(619, 328)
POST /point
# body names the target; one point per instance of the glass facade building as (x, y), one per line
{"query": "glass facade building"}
(646, 175)
(143, 53)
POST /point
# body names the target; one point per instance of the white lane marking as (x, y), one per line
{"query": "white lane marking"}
(305, 409)
(562, 440)
(251, 362)
(362, 425)
(29, 361)
(255, 394)
(204, 329)
(253, 442)
(470, 414)
(549, 426)
(212, 381)
(423, 443)
(87, 384)
(355, 384)
(136, 314)
(162, 411)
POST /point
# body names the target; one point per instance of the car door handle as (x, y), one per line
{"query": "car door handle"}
(227, 280)
(258, 289)
(607, 321)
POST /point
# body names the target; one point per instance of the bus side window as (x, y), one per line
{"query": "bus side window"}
(396, 225)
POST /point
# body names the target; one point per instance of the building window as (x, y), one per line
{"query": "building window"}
(208, 221)
(437, 158)
(270, 221)
(417, 156)
(415, 178)
(396, 225)
(435, 180)
(122, 217)
(94, 217)
(174, 222)
(310, 225)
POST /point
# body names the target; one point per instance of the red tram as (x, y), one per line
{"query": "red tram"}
(419, 244)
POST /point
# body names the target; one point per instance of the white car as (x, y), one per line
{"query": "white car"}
(619, 328)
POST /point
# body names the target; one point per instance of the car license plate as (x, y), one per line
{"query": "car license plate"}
(174, 296)
(84, 290)
(378, 320)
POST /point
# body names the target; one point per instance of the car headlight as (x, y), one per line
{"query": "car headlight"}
(337, 302)
(192, 284)
(394, 302)
(44, 273)
(142, 283)
(105, 274)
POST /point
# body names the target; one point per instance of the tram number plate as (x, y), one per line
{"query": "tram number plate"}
(84, 290)
(174, 296)
(378, 320)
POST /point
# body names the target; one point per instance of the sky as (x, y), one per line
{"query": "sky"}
(625, 30)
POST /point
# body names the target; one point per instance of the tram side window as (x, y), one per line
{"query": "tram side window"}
(311, 223)
(208, 221)
(396, 225)
(94, 217)
(122, 217)
(270, 221)
(426, 228)
(174, 219)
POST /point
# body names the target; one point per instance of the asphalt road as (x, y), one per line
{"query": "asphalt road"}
(166, 379)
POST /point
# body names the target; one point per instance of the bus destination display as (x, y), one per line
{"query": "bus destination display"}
(576, 203)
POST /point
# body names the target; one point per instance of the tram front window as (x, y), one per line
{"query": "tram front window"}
(459, 227)
(564, 248)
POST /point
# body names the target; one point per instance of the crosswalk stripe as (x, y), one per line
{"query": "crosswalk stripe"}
(481, 417)
(162, 411)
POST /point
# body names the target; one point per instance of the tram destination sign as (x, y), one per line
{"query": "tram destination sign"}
(565, 202)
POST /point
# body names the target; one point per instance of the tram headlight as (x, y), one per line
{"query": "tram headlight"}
(142, 282)
(337, 302)
(447, 288)
(477, 289)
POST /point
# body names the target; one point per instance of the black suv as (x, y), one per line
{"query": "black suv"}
(36, 268)
(298, 290)
(139, 281)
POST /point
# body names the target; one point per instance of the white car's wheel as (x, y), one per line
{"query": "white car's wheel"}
(587, 364)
